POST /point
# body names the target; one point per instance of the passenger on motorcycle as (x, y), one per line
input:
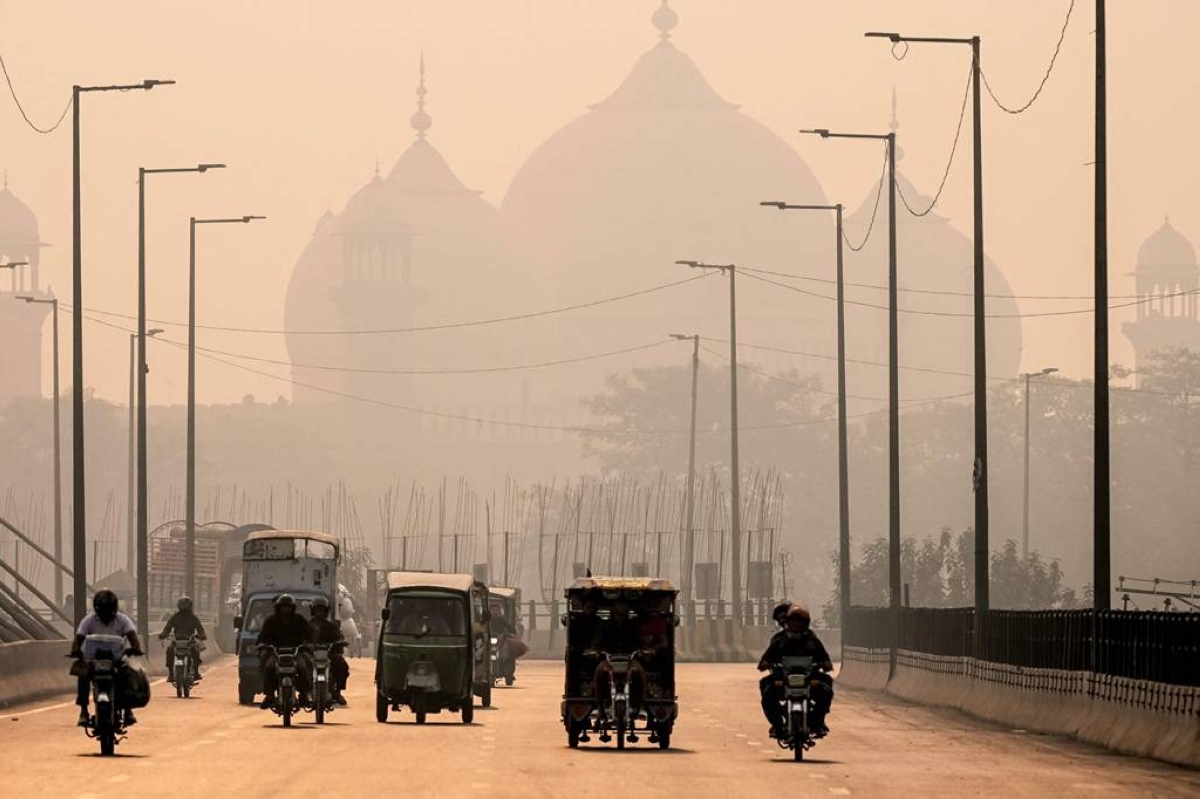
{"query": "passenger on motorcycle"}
(105, 619)
(325, 631)
(796, 640)
(618, 635)
(283, 628)
(184, 623)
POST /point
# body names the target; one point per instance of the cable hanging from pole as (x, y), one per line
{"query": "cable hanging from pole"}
(17, 101)
(1046, 77)
(962, 114)
(874, 210)
(422, 328)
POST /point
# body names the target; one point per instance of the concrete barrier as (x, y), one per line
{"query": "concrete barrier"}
(1134, 717)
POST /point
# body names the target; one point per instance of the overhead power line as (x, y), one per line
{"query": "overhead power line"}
(935, 292)
(17, 101)
(874, 210)
(467, 370)
(962, 114)
(1045, 77)
(420, 328)
(968, 314)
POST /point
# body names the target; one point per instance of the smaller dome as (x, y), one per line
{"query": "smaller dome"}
(375, 208)
(17, 222)
(1166, 247)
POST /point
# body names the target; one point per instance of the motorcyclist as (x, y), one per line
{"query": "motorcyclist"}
(105, 619)
(796, 640)
(325, 631)
(283, 628)
(184, 623)
(618, 635)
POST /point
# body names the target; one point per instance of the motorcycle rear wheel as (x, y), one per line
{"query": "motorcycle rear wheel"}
(287, 704)
(319, 702)
(619, 712)
(105, 731)
(381, 708)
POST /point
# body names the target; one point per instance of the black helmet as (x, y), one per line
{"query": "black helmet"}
(184, 604)
(105, 604)
(780, 612)
(285, 599)
(319, 602)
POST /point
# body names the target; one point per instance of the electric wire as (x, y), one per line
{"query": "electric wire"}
(968, 314)
(17, 101)
(874, 210)
(420, 328)
(1046, 77)
(962, 114)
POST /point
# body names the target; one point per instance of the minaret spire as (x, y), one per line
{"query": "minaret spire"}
(895, 126)
(421, 121)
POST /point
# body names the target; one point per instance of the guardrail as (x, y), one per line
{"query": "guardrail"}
(1143, 645)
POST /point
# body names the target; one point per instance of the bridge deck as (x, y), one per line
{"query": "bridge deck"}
(880, 747)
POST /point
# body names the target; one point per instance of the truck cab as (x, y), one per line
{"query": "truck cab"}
(274, 562)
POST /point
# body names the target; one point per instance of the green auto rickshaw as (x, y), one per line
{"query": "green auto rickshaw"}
(430, 645)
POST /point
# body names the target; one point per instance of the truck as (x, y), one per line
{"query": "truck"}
(274, 562)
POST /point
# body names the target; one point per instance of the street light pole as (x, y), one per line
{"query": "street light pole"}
(1025, 517)
(980, 472)
(79, 507)
(189, 573)
(689, 532)
(894, 585)
(135, 436)
(1101, 519)
(735, 499)
(58, 541)
(143, 529)
(844, 596)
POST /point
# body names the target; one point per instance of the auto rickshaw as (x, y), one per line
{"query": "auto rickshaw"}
(430, 644)
(506, 632)
(620, 660)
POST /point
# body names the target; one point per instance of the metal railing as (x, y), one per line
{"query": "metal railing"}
(1143, 645)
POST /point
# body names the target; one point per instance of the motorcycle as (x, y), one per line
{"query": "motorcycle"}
(504, 665)
(322, 681)
(620, 715)
(795, 676)
(104, 656)
(287, 694)
(183, 664)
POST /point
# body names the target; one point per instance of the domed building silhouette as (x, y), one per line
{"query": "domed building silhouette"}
(21, 323)
(1167, 279)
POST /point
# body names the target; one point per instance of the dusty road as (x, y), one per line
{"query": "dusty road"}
(210, 746)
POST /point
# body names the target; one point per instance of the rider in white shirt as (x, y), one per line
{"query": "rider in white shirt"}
(108, 621)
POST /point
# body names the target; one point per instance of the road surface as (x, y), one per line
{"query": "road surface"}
(210, 746)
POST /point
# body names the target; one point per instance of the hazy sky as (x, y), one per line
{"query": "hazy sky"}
(300, 97)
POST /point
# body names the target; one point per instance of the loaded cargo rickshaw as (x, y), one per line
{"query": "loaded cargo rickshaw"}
(432, 651)
(620, 660)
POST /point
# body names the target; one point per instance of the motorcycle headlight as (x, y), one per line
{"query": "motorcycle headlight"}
(495, 641)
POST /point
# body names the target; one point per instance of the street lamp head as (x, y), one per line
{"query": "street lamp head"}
(154, 331)
(1049, 370)
(680, 337)
(894, 37)
(774, 204)
(202, 168)
(25, 297)
(249, 218)
(822, 132)
(151, 83)
(688, 263)
(14, 264)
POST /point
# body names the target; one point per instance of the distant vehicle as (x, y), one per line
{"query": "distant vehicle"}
(183, 665)
(303, 564)
(620, 660)
(506, 632)
(432, 650)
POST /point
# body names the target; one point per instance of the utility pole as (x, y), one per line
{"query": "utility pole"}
(142, 499)
(1025, 505)
(189, 578)
(893, 384)
(78, 449)
(689, 530)
(735, 498)
(843, 446)
(1101, 567)
(58, 539)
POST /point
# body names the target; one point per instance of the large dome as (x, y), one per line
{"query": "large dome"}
(1166, 247)
(666, 169)
(17, 221)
